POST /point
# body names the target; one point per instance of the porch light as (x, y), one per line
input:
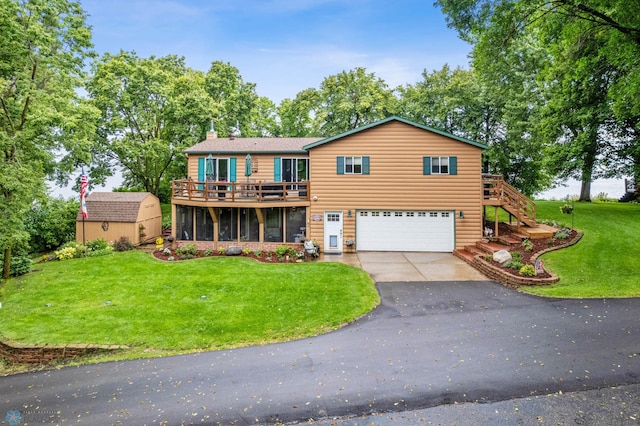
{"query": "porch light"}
(461, 214)
(348, 213)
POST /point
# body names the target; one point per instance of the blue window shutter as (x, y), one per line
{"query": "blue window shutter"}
(340, 165)
(426, 165)
(453, 165)
(200, 171)
(232, 169)
(277, 170)
(365, 165)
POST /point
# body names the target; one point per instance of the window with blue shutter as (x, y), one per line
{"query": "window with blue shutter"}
(200, 171)
(439, 165)
(340, 165)
(232, 169)
(426, 165)
(277, 169)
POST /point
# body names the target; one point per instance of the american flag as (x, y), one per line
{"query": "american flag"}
(84, 183)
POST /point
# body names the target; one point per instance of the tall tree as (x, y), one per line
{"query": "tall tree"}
(589, 43)
(151, 110)
(43, 47)
(352, 99)
(236, 107)
(298, 115)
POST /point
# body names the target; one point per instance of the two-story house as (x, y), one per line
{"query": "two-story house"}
(393, 185)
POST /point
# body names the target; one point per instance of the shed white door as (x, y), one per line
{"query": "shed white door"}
(429, 231)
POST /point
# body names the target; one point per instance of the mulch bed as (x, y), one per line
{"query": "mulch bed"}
(266, 257)
(540, 246)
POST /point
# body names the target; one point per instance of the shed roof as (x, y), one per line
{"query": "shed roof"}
(114, 206)
(251, 145)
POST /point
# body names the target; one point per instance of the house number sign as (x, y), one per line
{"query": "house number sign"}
(317, 217)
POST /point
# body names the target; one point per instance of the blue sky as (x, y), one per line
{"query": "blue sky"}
(284, 46)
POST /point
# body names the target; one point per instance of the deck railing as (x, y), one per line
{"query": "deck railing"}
(240, 191)
(509, 198)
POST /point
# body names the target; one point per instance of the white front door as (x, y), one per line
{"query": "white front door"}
(333, 232)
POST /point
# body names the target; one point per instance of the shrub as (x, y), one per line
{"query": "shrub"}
(99, 244)
(207, 252)
(514, 264)
(528, 271)
(123, 244)
(66, 253)
(222, 250)
(516, 256)
(246, 251)
(527, 245)
(20, 265)
(257, 253)
(551, 241)
(166, 251)
(562, 234)
(281, 251)
(101, 252)
(187, 249)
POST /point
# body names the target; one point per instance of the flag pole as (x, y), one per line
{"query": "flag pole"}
(84, 184)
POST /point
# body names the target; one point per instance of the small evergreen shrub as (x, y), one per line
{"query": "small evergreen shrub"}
(528, 271)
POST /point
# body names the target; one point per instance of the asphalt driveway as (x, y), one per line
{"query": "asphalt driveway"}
(428, 344)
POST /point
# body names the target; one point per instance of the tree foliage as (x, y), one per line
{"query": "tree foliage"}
(44, 127)
(151, 110)
(587, 75)
(51, 222)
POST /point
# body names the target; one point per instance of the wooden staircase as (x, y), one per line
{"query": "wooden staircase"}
(499, 193)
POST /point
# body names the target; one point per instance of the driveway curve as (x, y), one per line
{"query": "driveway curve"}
(427, 344)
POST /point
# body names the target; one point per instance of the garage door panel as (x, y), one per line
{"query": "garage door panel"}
(405, 231)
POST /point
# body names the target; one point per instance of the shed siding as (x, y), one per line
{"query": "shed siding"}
(396, 180)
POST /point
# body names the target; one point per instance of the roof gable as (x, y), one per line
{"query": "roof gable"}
(401, 120)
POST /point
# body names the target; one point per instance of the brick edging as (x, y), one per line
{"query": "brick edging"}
(21, 353)
(515, 281)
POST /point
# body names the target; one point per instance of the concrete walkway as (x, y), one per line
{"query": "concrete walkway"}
(408, 266)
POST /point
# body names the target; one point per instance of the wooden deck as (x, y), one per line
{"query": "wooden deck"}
(213, 192)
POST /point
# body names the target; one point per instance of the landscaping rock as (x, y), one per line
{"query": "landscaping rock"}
(233, 251)
(501, 256)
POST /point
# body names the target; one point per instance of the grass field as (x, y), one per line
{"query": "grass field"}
(133, 299)
(606, 262)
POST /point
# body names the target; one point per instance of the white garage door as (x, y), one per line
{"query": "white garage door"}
(381, 230)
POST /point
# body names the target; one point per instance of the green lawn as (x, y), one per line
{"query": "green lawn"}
(605, 263)
(133, 299)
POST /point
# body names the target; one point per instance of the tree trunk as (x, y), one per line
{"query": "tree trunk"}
(585, 190)
(6, 270)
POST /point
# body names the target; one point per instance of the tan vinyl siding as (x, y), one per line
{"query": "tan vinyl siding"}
(396, 180)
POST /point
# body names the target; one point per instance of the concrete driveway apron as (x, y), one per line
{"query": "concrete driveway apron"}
(414, 266)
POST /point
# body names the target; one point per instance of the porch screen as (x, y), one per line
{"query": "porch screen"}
(204, 224)
(184, 223)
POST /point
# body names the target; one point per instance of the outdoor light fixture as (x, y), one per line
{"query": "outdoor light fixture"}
(461, 214)
(348, 213)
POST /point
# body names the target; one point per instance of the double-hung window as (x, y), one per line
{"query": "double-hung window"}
(353, 165)
(440, 165)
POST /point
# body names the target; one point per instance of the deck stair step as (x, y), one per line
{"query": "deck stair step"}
(491, 247)
(475, 250)
(465, 255)
(509, 240)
